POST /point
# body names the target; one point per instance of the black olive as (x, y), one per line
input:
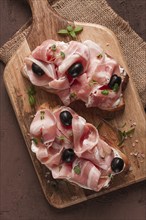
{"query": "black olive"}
(117, 164)
(37, 70)
(66, 118)
(114, 79)
(76, 70)
(68, 155)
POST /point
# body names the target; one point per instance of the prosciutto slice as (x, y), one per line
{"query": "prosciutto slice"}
(91, 165)
(55, 58)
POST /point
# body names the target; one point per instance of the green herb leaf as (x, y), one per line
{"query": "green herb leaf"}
(42, 115)
(72, 34)
(35, 140)
(130, 131)
(31, 96)
(62, 54)
(121, 142)
(53, 47)
(31, 91)
(71, 31)
(105, 92)
(99, 125)
(69, 28)
(77, 169)
(123, 135)
(63, 32)
(116, 87)
(123, 125)
(32, 100)
(78, 29)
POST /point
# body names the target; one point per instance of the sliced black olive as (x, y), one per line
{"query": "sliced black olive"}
(66, 118)
(68, 155)
(75, 70)
(117, 165)
(37, 70)
(114, 79)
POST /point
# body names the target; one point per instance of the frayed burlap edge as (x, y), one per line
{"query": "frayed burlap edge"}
(10, 47)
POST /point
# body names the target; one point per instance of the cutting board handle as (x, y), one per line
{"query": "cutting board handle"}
(46, 23)
(39, 9)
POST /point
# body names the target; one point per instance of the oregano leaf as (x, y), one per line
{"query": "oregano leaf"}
(72, 34)
(63, 32)
(69, 28)
(78, 29)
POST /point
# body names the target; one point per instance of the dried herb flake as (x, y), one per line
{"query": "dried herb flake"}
(42, 115)
(62, 54)
(105, 92)
(53, 47)
(77, 169)
(99, 56)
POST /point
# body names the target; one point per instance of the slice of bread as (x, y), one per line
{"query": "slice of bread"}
(107, 132)
(111, 139)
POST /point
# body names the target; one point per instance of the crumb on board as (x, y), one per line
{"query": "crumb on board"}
(133, 124)
(31, 116)
(140, 156)
(130, 169)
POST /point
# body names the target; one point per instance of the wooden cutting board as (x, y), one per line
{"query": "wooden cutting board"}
(46, 23)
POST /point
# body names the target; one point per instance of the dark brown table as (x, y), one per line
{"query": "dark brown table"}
(21, 194)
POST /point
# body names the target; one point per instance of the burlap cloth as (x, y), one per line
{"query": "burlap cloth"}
(134, 48)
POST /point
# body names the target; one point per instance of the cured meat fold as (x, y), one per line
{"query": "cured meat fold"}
(91, 166)
(55, 58)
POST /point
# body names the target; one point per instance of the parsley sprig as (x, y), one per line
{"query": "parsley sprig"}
(71, 31)
(123, 135)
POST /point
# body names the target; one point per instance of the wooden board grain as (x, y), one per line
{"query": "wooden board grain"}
(61, 193)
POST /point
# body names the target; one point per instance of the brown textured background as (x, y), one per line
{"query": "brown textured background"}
(21, 195)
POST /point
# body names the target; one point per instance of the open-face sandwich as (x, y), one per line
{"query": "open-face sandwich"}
(72, 149)
(78, 71)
